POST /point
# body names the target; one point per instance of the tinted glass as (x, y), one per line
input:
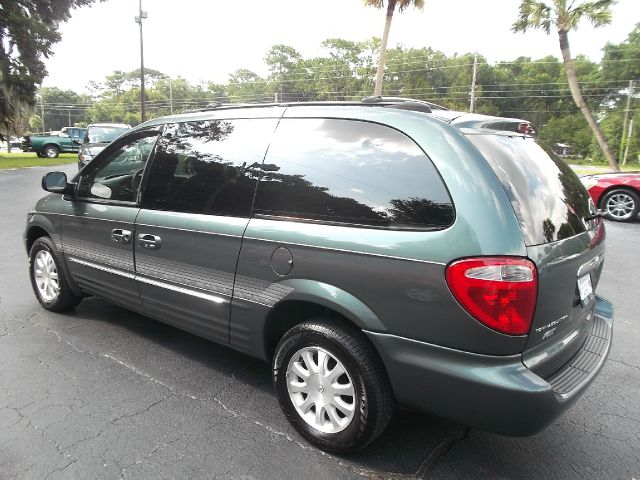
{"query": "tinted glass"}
(208, 167)
(547, 196)
(351, 172)
(116, 176)
(103, 134)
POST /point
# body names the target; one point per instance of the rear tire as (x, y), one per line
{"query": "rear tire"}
(338, 411)
(48, 279)
(621, 204)
(51, 151)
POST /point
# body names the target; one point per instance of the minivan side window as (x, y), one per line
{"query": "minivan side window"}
(208, 167)
(351, 172)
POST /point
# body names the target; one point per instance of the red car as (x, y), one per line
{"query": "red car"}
(617, 194)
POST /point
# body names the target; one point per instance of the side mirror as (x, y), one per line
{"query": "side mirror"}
(56, 182)
(75, 141)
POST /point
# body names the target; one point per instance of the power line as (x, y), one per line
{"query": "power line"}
(485, 89)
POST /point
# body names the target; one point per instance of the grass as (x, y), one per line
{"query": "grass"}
(585, 166)
(22, 160)
(593, 169)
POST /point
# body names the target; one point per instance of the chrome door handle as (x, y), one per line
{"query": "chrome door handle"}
(146, 240)
(119, 235)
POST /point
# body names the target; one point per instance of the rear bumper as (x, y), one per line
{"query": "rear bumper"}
(497, 394)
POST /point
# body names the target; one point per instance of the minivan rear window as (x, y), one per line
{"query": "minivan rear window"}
(549, 200)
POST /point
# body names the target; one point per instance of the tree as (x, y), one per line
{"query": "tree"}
(545, 14)
(391, 6)
(63, 108)
(28, 30)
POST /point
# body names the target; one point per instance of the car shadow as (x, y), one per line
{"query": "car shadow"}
(406, 447)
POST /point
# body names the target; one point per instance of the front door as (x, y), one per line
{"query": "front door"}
(196, 205)
(76, 135)
(98, 227)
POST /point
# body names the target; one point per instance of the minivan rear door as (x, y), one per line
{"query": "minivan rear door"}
(563, 237)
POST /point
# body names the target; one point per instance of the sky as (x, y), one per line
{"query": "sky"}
(206, 40)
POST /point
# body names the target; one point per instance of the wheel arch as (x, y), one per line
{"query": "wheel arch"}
(40, 226)
(33, 233)
(309, 299)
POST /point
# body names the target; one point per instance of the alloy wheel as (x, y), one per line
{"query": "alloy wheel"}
(620, 206)
(45, 274)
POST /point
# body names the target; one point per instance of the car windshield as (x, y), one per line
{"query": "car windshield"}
(103, 134)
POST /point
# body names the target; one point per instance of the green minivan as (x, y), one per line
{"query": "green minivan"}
(377, 253)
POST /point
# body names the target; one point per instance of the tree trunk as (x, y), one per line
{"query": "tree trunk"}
(391, 6)
(572, 79)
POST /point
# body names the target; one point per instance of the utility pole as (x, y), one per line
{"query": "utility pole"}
(141, 16)
(622, 158)
(626, 149)
(171, 96)
(472, 105)
(42, 110)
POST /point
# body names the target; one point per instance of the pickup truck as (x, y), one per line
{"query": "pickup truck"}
(68, 140)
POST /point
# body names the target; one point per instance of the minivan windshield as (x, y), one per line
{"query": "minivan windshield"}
(103, 134)
(549, 200)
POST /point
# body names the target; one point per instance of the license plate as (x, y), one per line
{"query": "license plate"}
(585, 288)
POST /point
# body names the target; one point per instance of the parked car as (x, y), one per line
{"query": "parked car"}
(13, 141)
(51, 146)
(617, 194)
(97, 137)
(374, 254)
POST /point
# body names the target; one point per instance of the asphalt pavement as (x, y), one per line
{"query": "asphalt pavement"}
(105, 393)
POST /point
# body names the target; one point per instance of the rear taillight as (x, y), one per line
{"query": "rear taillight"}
(499, 292)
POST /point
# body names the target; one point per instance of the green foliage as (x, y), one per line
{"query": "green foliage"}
(565, 17)
(60, 106)
(28, 30)
(401, 4)
(536, 14)
(620, 64)
(569, 129)
(531, 89)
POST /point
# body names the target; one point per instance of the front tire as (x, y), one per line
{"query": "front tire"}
(48, 279)
(332, 385)
(621, 204)
(51, 151)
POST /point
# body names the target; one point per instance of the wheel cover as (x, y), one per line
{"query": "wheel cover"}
(620, 206)
(50, 152)
(45, 275)
(321, 390)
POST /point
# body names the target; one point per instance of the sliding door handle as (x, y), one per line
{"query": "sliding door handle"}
(146, 240)
(119, 235)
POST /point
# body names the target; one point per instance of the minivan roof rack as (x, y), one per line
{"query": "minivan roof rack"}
(393, 102)
(381, 99)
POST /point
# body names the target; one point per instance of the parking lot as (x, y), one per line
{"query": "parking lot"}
(105, 393)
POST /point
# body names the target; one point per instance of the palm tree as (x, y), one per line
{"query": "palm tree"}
(556, 13)
(391, 6)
